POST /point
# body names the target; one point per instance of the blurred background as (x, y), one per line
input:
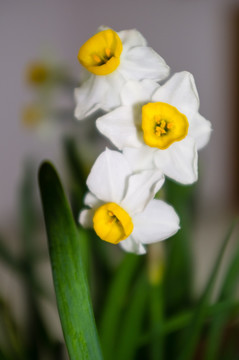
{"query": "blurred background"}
(199, 36)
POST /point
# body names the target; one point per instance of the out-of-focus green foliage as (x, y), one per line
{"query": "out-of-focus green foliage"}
(136, 318)
(179, 258)
(143, 320)
(192, 333)
(114, 305)
(32, 339)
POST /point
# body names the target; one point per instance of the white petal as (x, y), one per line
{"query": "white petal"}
(149, 87)
(108, 176)
(86, 218)
(179, 91)
(119, 127)
(179, 161)
(88, 96)
(131, 38)
(130, 245)
(141, 189)
(98, 92)
(92, 201)
(141, 158)
(157, 222)
(115, 82)
(143, 62)
(200, 129)
(137, 92)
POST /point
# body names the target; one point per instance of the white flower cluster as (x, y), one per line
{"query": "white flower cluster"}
(157, 129)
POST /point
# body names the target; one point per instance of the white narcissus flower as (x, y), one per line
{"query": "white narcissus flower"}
(159, 129)
(122, 209)
(111, 59)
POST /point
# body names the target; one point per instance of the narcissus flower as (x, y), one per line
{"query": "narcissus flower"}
(122, 209)
(159, 128)
(110, 59)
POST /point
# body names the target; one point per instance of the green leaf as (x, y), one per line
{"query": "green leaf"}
(183, 319)
(116, 297)
(128, 334)
(77, 173)
(218, 324)
(3, 355)
(7, 257)
(74, 162)
(231, 277)
(156, 307)
(27, 211)
(192, 333)
(11, 336)
(178, 271)
(69, 276)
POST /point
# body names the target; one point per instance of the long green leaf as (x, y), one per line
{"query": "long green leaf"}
(183, 319)
(7, 257)
(3, 356)
(27, 211)
(179, 270)
(69, 276)
(77, 172)
(217, 327)
(132, 321)
(156, 305)
(231, 277)
(112, 312)
(193, 332)
(74, 162)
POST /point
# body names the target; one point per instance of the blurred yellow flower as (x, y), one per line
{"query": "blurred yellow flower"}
(37, 73)
(32, 115)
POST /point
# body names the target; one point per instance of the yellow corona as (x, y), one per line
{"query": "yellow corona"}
(163, 124)
(112, 223)
(101, 53)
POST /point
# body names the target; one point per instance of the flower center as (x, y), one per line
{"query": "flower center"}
(163, 124)
(101, 53)
(112, 223)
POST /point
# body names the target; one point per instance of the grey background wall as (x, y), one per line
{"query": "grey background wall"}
(189, 35)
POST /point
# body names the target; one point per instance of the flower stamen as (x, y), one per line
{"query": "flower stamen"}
(108, 52)
(97, 59)
(160, 126)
